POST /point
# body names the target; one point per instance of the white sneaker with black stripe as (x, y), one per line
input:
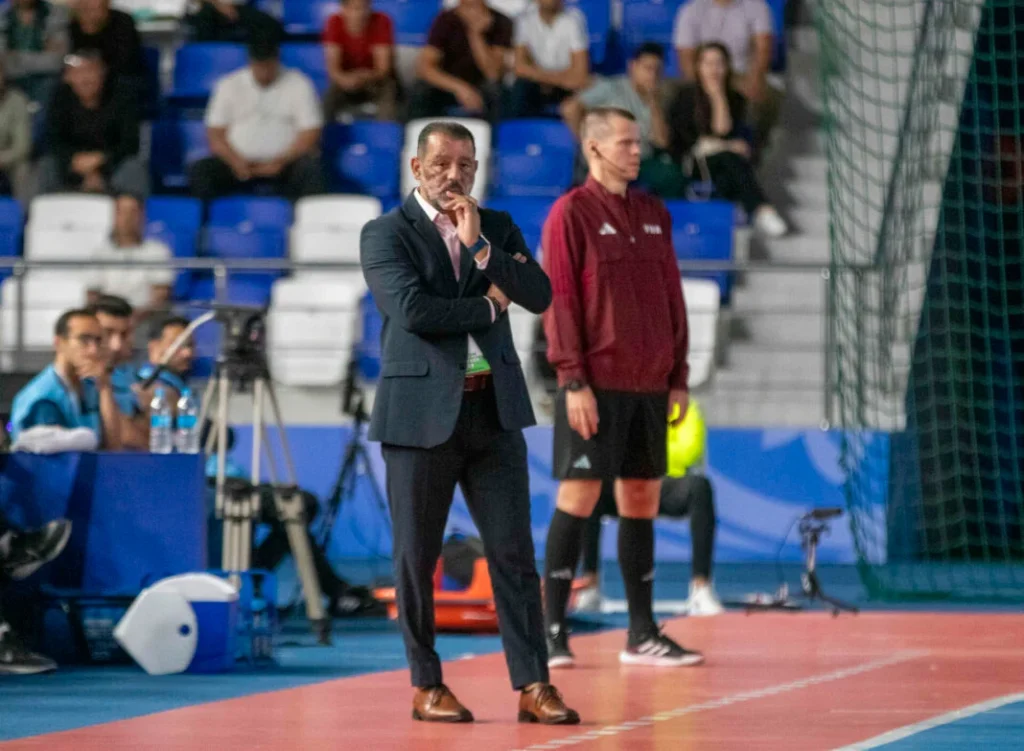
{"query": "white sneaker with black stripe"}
(658, 650)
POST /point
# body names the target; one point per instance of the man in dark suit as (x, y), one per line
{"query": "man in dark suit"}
(450, 409)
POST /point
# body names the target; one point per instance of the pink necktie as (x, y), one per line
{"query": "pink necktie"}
(450, 235)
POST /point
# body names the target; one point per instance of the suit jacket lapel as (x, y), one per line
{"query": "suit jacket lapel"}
(431, 237)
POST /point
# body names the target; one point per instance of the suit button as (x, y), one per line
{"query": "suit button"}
(462, 366)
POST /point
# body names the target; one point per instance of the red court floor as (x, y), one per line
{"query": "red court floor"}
(771, 681)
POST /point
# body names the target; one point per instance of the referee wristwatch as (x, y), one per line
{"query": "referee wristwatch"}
(575, 385)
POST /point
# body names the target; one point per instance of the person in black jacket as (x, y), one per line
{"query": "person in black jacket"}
(92, 134)
(708, 127)
(95, 26)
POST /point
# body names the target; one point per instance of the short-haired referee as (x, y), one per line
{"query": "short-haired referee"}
(617, 338)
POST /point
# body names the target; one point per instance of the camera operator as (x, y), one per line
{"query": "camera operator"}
(173, 377)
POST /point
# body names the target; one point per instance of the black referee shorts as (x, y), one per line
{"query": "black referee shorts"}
(630, 442)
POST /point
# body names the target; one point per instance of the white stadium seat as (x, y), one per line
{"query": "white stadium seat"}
(481, 131)
(313, 318)
(327, 228)
(311, 327)
(61, 227)
(703, 303)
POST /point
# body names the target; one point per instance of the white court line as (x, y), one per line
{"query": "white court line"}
(943, 719)
(726, 701)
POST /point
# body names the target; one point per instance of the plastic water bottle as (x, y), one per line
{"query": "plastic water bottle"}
(161, 441)
(186, 435)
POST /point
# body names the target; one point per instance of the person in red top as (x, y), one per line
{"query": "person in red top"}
(359, 47)
(617, 339)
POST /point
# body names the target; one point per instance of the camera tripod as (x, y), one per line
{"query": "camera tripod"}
(242, 362)
(812, 526)
(238, 504)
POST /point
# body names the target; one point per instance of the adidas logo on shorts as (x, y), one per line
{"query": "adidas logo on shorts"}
(582, 463)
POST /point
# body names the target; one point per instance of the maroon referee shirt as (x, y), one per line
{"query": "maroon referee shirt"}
(617, 320)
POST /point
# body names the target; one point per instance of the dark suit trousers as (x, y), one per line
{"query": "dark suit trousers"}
(490, 466)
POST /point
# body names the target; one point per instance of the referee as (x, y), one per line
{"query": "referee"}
(617, 339)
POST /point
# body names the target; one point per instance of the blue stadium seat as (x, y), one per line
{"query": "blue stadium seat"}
(650, 21)
(12, 222)
(307, 57)
(412, 18)
(529, 214)
(241, 289)
(534, 158)
(246, 213)
(176, 144)
(176, 220)
(364, 157)
(599, 25)
(230, 243)
(308, 17)
(197, 67)
(703, 231)
(779, 18)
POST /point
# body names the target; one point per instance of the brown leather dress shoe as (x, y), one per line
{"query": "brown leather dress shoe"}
(541, 702)
(438, 704)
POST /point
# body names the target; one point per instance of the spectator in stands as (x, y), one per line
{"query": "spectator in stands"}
(707, 128)
(75, 391)
(15, 139)
(94, 26)
(639, 93)
(746, 30)
(93, 134)
(263, 123)
(231, 21)
(359, 46)
(147, 288)
(115, 315)
(552, 61)
(34, 40)
(22, 553)
(463, 63)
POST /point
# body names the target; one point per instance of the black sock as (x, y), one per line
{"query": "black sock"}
(561, 554)
(636, 558)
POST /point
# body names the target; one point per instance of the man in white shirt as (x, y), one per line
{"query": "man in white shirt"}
(146, 288)
(747, 30)
(263, 123)
(552, 61)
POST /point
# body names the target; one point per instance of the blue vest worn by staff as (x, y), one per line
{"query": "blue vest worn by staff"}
(47, 400)
(122, 378)
(166, 377)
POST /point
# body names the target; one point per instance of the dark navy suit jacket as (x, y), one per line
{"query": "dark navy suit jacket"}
(427, 315)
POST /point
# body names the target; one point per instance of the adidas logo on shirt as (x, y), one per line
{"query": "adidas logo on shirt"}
(607, 229)
(582, 463)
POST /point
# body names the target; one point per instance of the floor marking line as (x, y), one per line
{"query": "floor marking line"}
(943, 719)
(744, 696)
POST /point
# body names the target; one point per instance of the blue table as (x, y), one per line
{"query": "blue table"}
(137, 517)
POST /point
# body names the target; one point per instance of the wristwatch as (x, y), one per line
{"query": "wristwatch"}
(575, 385)
(479, 245)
